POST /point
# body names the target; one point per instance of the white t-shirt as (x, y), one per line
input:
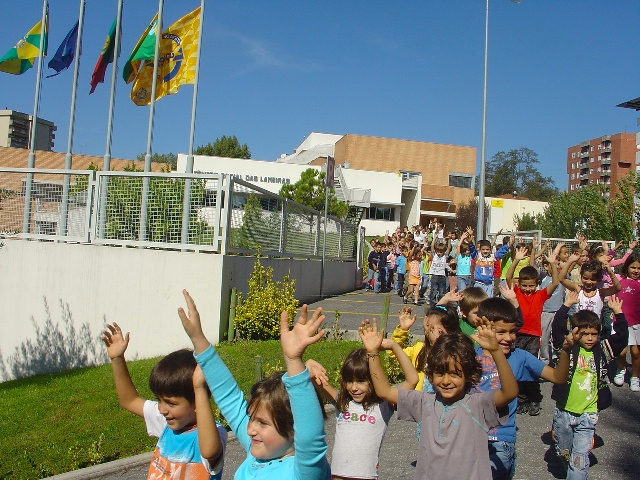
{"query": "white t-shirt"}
(358, 438)
(438, 265)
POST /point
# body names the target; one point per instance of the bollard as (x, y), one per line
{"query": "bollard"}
(232, 314)
(258, 362)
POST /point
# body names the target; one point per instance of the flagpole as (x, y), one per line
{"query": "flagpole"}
(31, 159)
(147, 158)
(72, 117)
(186, 202)
(112, 100)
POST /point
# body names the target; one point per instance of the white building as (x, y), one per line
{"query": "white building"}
(383, 194)
(502, 211)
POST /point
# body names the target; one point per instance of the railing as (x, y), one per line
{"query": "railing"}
(281, 227)
(196, 212)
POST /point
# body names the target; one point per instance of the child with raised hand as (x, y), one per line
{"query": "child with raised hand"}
(437, 320)
(281, 426)
(525, 366)
(361, 417)
(453, 444)
(586, 392)
(190, 442)
(629, 295)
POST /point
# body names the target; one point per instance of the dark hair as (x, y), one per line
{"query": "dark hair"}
(173, 375)
(594, 268)
(498, 309)
(458, 347)
(271, 394)
(484, 243)
(464, 247)
(576, 248)
(633, 257)
(440, 247)
(449, 320)
(471, 298)
(355, 369)
(528, 273)
(585, 319)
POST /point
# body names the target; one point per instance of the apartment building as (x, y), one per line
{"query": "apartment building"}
(15, 131)
(602, 160)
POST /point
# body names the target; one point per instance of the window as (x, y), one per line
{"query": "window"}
(592, 148)
(381, 213)
(573, 155)
(590, 171)
(460, 180)
(591, 159)
(573, 175)
(408, 175)
(573, 165)
(571, 187)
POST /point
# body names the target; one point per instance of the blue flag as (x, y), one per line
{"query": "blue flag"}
(65, 53)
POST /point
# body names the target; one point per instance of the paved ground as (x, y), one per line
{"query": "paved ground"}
(615, 456)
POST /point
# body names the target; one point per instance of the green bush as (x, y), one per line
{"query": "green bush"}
(258, 315)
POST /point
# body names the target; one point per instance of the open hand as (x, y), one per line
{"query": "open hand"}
(407, 318)
(451, 296)
(371, 338)
(486, 335)
(115, 341)
(571, 339)
(304, 333)
(507, 292)
(615, 304)
(571, 298)
(190, 321)
(318, 372)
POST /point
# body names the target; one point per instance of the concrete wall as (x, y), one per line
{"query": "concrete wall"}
(140, 289)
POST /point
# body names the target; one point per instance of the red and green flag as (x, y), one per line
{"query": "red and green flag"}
(106, 57)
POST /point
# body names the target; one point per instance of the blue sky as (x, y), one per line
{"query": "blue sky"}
(274, 71)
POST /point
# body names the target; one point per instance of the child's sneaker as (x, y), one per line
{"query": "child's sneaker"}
(523, 408)
(534, 409)
(634, 384)
(618, 380)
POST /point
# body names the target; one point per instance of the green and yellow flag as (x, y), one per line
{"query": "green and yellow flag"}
(21, 57)
(177, 64)
(144, 50)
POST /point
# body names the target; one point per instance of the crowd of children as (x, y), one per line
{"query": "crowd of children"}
(479, 366)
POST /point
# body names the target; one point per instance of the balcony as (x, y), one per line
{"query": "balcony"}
(583, 154)
(605, 161)
(606, 173)
(584, 144)
(606, 138)
(606, 148)
(583, 165)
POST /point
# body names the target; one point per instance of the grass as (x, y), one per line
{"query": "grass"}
(60, 422)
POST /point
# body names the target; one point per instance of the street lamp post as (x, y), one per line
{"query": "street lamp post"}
(483, 149)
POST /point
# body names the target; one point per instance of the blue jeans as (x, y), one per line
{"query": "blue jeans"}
(573, 436)
(502, 457)
(487, 287)
(463, 282)
(438, 288)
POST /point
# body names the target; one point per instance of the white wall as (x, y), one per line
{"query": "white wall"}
(268, 175)
(140, 289)
(386, 188)
(502, 216)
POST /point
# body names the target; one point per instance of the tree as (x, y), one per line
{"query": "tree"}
(310, 191)
(592, 211)
(170, 159)
(527, 222)
(224, 147)
(516, 171)
(467, 216)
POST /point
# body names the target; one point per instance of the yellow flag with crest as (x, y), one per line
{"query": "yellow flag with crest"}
(177, 64)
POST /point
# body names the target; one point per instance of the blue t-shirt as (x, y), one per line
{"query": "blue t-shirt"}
(464, 265)
(525, 368)
(401, 264)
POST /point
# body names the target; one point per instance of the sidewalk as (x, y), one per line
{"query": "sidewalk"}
(613, 458)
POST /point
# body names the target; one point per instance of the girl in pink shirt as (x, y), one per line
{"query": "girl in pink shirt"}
(630, 296)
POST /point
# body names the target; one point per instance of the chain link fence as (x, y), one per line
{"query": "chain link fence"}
(259, 219)
(166, 210)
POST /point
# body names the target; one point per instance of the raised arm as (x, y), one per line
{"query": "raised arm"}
(410, 373)
(486, 338)
(495, 239)
(321, 380)
(620, 261)
(521, 253)
(568, 284)
(372, 340)
(613, 289)
(555, 280)
(560, 374)
(295, 341)
(209, 441)
(117, 344)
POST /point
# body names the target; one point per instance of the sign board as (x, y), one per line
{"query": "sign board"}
(497, 203)
(331, 166)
